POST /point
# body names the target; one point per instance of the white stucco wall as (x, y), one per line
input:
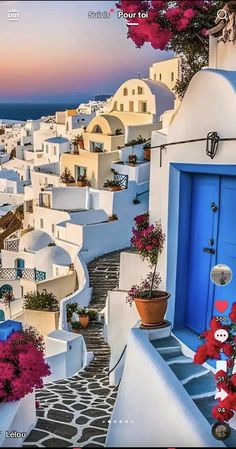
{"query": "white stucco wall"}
(50, 217)
(120, 317)
(9, 258)
(70, 198)
(208, 105)
(17, 416)
(132, 269)
(65, 354)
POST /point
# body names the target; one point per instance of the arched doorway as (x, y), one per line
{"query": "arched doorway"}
(5, 288)
(2, 315)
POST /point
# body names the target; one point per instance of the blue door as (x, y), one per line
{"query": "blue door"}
(20, 265)
(212, 241)
(202, 255)
(226, 245)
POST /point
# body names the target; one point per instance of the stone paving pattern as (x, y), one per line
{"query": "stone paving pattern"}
(76, 411)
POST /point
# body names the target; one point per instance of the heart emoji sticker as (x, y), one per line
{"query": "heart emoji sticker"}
(221, 305)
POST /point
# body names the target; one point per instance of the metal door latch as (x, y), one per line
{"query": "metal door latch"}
(209, 250)
(214, 207)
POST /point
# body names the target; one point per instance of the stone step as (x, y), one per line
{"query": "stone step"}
(187, 371)
(203, 386)
(167, 345)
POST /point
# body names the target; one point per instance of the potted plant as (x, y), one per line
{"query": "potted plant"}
(118, 132)
(112, 185)
(70, 309)
(41, 310)
(77, 142)
(147, 151)
(83, 316)
(7, 299)
(151, 303)
(76, 326)
(23, 368)
(93, 315)
(82, 180)
(66, 177)
(132, 159)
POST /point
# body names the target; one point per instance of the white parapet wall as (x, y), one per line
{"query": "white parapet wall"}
(119, 319)
(152, 408)
(19, 416)
(66, 354)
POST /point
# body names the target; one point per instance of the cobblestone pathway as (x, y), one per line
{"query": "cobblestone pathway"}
(76, 411)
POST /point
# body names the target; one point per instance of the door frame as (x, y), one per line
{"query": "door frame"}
(179, 207)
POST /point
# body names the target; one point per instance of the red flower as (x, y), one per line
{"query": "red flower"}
(201, 355)
(22, 365)
(221, 413)
(189, 13)
(232, 314)
(228, 349)
(233, 380)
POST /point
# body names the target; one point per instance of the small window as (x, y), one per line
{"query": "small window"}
(97, 129)
(53, 229)
(45, 181)
(41, 223)
(67, 126)
(140, 90)
(46, 148)
(133, 91)
(121, 107)
(143, 106)
(125, 91)
(55, 150)
(159, 76)
(172, 76)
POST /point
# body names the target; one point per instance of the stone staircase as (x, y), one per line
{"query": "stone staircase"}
(76, 411)
(198, 381)
(104, 275)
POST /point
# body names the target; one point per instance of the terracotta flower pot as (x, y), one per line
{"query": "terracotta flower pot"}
(147, 154)
(81, 183)
(84, 320)
(76, 331)
(115, 188)
(152, 311)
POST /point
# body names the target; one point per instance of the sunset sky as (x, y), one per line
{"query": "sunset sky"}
(55, 53)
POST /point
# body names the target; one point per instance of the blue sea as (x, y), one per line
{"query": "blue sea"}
(25, 111)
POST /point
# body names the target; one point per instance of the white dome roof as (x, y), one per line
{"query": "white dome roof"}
(50, 255)
(34, 240)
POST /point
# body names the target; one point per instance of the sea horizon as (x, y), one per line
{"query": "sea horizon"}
(34, 111)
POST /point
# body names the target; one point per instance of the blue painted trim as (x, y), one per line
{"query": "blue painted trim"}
(178, 226)
(210, 169)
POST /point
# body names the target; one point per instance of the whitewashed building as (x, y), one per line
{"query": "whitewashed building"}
(192, 192)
